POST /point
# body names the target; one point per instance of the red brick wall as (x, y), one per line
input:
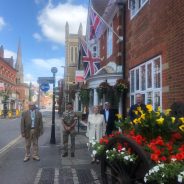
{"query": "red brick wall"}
(116, 47)
(158, 30)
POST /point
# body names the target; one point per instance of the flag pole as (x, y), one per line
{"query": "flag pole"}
(119, 37)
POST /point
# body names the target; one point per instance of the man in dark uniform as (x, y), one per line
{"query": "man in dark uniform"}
(69, 120)
(133, 108)
(110, 117)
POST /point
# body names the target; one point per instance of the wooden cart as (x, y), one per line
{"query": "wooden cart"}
(117, 172)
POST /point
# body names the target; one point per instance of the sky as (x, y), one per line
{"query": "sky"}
(39, 25)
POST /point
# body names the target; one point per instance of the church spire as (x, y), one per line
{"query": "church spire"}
(18, 65)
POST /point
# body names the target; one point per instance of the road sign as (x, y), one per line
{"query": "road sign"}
(45, 80)
(45, 87)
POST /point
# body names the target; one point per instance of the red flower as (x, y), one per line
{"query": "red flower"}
(119, 147)
(154, 157)
(163, 158)
(180, 156)
(176, 136)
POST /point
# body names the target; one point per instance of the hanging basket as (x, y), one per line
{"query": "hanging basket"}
(84, 96)
(103, 89)
(121, 86)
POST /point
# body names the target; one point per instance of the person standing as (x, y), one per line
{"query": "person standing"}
(133, 113)
(96, 126)
(110, 117)
(69, 120)
(31, 129)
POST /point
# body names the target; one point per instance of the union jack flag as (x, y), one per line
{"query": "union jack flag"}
(91, 64)
(95, 24)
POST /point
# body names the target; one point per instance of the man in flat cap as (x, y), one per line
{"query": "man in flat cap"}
(31, 129)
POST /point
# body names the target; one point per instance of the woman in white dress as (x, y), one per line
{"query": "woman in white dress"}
(96, 125)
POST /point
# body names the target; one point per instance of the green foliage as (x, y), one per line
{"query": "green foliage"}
(165, 173)
(84, 96)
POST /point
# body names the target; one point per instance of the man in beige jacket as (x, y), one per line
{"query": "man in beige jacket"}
(31, 129)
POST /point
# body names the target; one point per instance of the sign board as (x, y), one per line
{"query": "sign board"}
(79, 76)
(45, 87)
(45, 80)
(2, 88)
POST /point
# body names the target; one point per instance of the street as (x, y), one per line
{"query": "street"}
(52, 168)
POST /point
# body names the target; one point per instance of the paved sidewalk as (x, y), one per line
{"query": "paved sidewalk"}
(74, 170)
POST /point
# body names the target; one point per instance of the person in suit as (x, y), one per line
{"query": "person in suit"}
(110, 117)
(31, 129)
(133, 109)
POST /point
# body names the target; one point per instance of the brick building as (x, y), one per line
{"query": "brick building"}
(16, 91)
(151, 53)
(154, 51)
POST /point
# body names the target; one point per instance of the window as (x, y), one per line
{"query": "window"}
(135, 6)
(71, 55)
(76, 55)
(109, 41)
(146, 79)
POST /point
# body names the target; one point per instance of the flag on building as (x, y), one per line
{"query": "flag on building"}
(91, 64)
(95, 24)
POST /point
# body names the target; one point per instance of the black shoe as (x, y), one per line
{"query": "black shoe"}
(65, 155)
(72, 154)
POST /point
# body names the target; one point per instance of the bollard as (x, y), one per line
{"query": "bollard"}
(9, 114)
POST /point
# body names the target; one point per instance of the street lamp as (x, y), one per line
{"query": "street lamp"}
(53, 139)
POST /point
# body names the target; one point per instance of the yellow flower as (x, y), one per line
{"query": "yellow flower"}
(119, 116)
(149, 107)
(181, 128)
(160, 121)
(157, 113)
(139, 120)
(142, 116)
(167, 112)
(173, 119)
(139, 109)
(159, 109)
(182, 119)
(135, 121)
(136, 112)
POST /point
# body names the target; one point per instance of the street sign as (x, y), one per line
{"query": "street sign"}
(45, 80)
(45, 87)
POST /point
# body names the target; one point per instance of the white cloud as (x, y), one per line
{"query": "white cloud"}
(37, 36)
(46, 65)
(49, 63)
(28, 78)
(52, 20)
(9, 54)
(2, 23)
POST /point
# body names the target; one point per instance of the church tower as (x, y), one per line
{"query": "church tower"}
(19, 66)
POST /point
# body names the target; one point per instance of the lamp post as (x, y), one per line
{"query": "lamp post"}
(53, 139)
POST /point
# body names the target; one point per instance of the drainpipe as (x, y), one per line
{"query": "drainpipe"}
(122, 10)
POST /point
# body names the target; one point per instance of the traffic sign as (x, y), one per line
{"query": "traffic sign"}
(45, 87)
(45, 80)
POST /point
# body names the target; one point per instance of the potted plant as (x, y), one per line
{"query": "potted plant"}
(102, 89)
(121, 86)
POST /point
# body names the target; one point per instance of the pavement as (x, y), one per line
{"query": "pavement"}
(52, 168)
